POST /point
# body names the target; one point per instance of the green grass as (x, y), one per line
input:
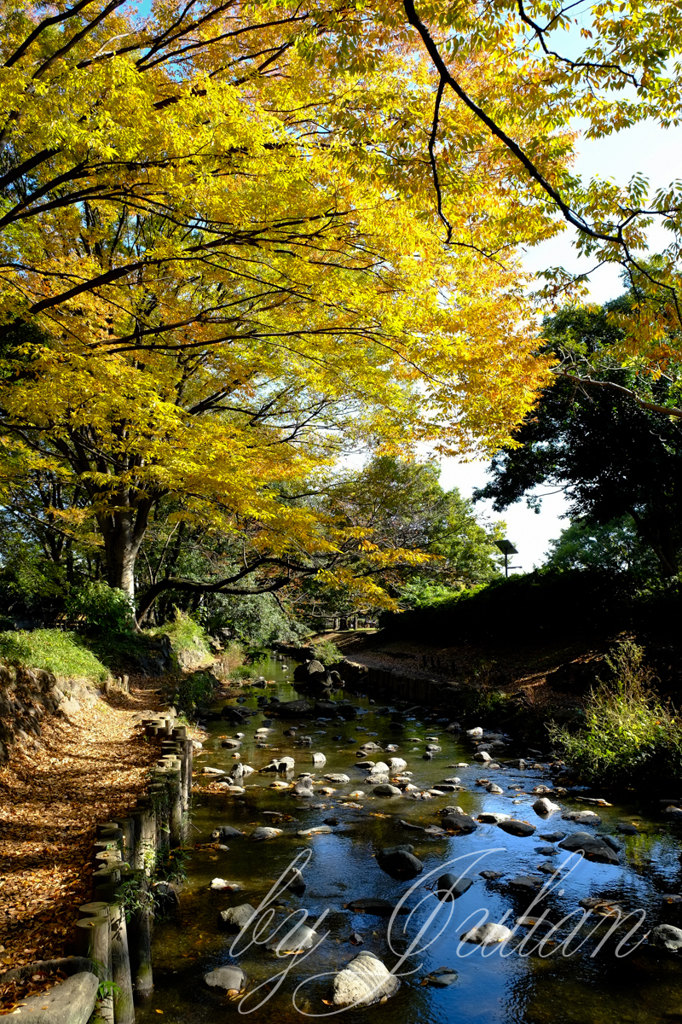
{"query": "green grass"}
(187, 637)
(57, 651)
(629, 735)
(328, 653)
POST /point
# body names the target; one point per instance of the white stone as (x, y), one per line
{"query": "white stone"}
(364, 981)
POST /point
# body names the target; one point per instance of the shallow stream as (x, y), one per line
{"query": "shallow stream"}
(515, 983)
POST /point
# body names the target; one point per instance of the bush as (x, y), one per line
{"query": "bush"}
(328, 653)
(188, 639)
(255, 620)
(195, 691)
(628, 732)
(537, 605)
(103, 607)
(54, 650)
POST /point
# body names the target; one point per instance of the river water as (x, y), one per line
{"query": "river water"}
(515, 983)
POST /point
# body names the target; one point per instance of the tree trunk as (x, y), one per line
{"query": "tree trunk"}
(123, 532)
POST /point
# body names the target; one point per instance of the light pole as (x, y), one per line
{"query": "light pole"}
(507, 549)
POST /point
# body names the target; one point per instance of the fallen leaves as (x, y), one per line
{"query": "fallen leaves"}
(85, 771)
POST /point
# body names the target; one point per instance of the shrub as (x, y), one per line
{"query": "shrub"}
(241, 672)
(54, 650)
(628, 731)
(195, 691)
(328, 653)
(189, 640)
(103, 607)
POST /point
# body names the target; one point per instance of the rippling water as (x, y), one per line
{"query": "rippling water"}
(643, 986)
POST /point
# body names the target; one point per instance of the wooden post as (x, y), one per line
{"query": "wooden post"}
(95, 909)
(189, 768)
(174, 777)
(159, 794)
(124, 1010)
(127, 826)
(108, 874)
(144, 857)
(94, 942)
(141, 926)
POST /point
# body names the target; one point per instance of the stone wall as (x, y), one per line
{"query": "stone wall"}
(29, 696)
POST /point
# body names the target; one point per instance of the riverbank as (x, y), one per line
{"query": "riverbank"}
(549, 680)
(89, 765)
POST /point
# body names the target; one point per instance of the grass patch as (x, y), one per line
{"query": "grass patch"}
(194, 691)
(629, 734)
(188, 638)
(55, 650)
(328, 653)
(230, 660)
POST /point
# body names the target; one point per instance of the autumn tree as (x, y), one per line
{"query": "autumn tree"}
(612, 63)
(221, 268)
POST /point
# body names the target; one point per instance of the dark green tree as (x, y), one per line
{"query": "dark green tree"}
(612, 455)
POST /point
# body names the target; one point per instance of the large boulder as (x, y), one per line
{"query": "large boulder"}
(545, 806)
(70, 1002)
(312, 667)
(225, 832)
(667, 936)
(296, 940)
(399, 862)
(487, 934)
(458, 822)
(345, 711)
(592, 847)
(363, 982)
(265, 832)
(312, 677)
(291, 709)
(385, 789)
(376, 907)
(582, 817)
(451, 887)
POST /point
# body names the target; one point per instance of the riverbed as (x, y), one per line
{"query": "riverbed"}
(519, 982)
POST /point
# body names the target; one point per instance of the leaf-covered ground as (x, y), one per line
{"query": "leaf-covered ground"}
(88, 768)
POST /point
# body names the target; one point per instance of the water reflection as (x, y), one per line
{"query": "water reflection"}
(645, 987)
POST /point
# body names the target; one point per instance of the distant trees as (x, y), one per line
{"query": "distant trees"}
(608, 547)
(613, 456)
(404, 534)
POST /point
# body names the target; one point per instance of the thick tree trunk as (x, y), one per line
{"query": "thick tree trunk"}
(123, 532)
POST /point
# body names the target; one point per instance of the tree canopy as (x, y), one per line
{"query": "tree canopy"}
(238, 240)
(609, 547)
(611, 456)
(201, 298)
(612, 64)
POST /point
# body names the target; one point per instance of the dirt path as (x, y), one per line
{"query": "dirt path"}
(88, 768)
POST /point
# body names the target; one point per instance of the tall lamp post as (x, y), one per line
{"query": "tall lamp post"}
(507, 549)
